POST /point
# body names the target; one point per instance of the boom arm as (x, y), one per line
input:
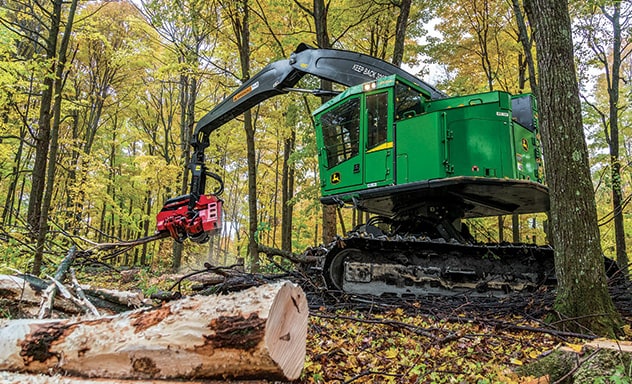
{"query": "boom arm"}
(342, 67)
(339, 66)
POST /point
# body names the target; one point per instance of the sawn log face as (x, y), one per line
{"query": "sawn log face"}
(257, 333)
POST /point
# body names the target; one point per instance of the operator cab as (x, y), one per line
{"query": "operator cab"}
(386, 146)
(355, 135)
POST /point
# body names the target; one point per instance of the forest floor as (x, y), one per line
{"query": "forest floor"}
(432, 341)
(449, 339)
(436, 339)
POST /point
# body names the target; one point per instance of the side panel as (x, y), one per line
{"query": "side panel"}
(481, 147)
(419, 145)
(480, 136)
(461, 136)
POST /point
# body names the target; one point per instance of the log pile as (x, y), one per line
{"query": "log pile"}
(257, 333)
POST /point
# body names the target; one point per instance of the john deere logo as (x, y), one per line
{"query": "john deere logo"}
(335, 178)
(525, 144)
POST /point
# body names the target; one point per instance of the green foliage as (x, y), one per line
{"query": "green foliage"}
(619, 376)
(12, 255)
(478, 47)
(122, 145)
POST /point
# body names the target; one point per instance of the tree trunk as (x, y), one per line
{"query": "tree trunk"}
(523, 37)
(501, 229)
(241, 28)
(287, 193)
(9, 203)
(515, 228)
(582, 287)
(400, 31)
(177, 248)
(143, 256)
(42, 137)
(613, 105)
(257, 333)
(322, 37)
(22, 296)
(252, 193)
(58, 84)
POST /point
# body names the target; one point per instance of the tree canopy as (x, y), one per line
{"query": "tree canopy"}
(98, 100)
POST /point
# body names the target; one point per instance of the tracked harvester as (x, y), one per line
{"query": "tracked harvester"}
(417, 161)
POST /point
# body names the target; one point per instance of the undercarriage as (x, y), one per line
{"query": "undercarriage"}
(418, 242)
(440, 259)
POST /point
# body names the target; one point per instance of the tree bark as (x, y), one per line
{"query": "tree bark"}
(287, 193)
(8, 213)
(321, 10)
(21, 298)
(42, 137)
(53, 130)
(613, 143)
(188, 95)
(257, 333)
(582, 287)
(400, 31)
(515, 228)
(253, 222)
(23, 378)
(22, 295)
(238, 13)
(527, 43)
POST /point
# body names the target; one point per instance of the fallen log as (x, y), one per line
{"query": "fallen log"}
(23, 294)
(293, 257)
(26, 378)
(258, 333)
(23, 298)
(121, 298)
(48, 299)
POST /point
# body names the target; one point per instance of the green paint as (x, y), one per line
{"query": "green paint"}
(475, 136)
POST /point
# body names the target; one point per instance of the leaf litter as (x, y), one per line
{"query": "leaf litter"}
(455, 339)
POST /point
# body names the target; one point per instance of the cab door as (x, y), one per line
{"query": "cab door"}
(378, 158)
(339, 143)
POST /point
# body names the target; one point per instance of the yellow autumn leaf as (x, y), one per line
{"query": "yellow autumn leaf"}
(391, 353)
(575, 347)
(515, 361)
(627, 330)
(534, 354)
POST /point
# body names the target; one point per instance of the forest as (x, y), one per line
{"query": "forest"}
(98, 101)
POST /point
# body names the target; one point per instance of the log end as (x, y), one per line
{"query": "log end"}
(286, 330)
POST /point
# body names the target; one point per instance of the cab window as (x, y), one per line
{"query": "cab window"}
(377, 115)
(341, 132)
(407, 102)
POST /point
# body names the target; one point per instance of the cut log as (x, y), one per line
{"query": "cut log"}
(124, 298)
(258, 333)
(26, 378)
(613, 345)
